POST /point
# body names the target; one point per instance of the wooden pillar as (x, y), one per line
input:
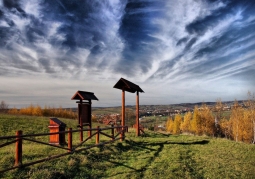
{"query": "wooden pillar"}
(80, 121)
(18, 156)
(137, 115)
(90, 118)
(123, 108)
(123, 115)
(112, 132)
(97, 135)
(70, 138)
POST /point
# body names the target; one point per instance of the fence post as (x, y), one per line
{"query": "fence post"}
(112, 132)
(18, 155)
(81, 134)
(121, 133)
(97, 135)
(70, 140)
(89, 132)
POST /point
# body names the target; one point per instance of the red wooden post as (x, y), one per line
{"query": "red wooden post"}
(89, 132)
(90, 120)
(137, 115)
(70, 138)
(81, 134)
(97, 135)
(123, 116)
(112, 132)
(81, 123)
(18, 157)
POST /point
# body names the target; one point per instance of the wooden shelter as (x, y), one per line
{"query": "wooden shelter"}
(57, 126)
(84, 109)
(128, 86)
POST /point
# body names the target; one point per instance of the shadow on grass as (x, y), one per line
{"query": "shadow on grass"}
(138, 146)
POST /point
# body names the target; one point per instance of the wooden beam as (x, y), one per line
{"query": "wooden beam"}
(123, 115)
(123, 108)
(18, 154)
(137, 115)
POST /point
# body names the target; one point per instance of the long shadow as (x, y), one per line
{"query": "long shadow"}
(146, 145)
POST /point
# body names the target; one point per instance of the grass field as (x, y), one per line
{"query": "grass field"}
(106, 111)
(154, 155)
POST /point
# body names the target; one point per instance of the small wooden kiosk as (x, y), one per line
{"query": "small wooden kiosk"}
(57, 126)
(84, 109)
(128, 86)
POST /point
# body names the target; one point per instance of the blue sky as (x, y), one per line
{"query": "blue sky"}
(176, 51)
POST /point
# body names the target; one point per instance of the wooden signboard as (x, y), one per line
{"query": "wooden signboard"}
(84, 114)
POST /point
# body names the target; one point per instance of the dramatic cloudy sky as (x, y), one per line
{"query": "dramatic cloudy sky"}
(176, 51)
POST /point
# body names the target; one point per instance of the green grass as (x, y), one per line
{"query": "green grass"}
(106, 111)
(153, 155)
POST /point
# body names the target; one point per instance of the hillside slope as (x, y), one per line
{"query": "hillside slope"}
(153, 155)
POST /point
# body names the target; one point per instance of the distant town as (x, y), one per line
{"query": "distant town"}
(168, 110)
(153, 116)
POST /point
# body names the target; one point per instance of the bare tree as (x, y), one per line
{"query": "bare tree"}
(3, 106)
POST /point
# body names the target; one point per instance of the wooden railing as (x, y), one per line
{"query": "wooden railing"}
(19, 137)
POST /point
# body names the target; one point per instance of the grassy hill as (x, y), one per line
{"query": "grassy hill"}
(153, 155)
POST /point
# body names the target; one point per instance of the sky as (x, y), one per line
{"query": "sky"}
(177, 51)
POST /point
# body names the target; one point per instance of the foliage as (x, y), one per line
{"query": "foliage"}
(226, 128)
(185, 125)
(243, 121)
(196, 126)
(33, 110)
(211, 121)
(169, 125)
(207, 121)
(177, 124)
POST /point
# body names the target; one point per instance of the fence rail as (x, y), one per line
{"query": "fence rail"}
(19, 137)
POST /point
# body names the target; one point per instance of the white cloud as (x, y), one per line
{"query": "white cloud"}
(4, 24)
(32, 7)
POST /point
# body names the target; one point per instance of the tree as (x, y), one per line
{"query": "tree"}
(169, 125)
(177, 124)
(226, 128)
(218, 108)
(185, 125)
(3, 106)
(196, 125)
(207, 120)
(247, 127)
(250, 104)
(235, 119)
(13, 111)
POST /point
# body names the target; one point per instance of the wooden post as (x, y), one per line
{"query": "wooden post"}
(112, 132)
(90, 120)
(18, 157)
(81, 134)
(70, 138)
(97, 135)
(123, 116)
(81, 124)
(137, 115)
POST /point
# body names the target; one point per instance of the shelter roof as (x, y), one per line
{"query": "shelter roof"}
(57, 121)
(126, 85)
(84, 95)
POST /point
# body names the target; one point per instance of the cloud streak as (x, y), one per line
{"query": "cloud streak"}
(157, 42)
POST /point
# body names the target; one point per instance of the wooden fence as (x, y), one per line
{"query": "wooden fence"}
(70, 149)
